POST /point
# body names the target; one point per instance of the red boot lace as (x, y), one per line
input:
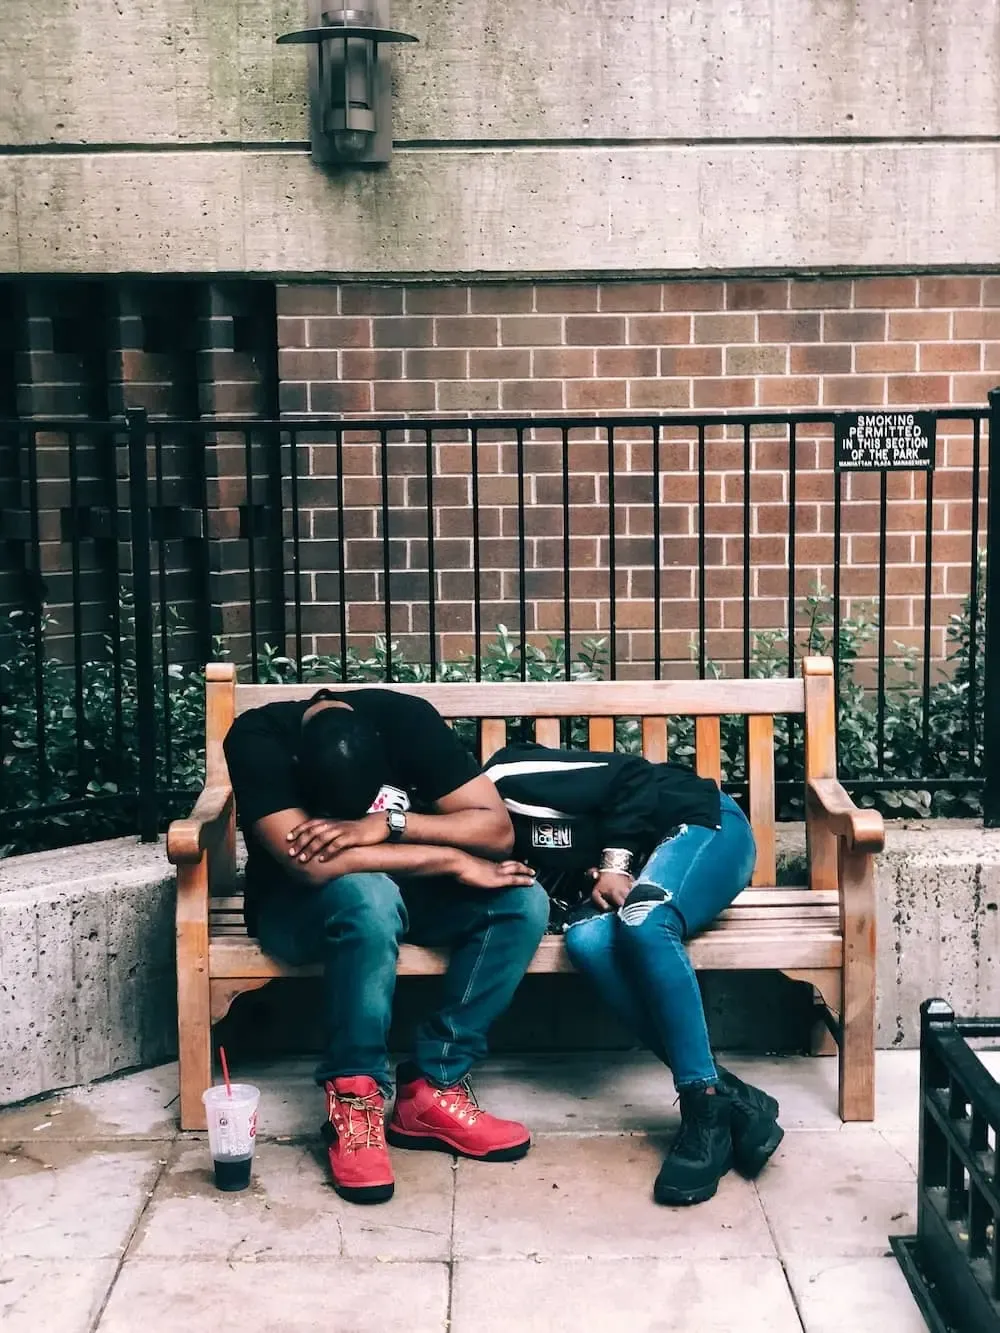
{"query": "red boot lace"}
(459, 1101)
(365, 1122)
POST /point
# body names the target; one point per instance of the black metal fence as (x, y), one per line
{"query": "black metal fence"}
(133, 551)
(953, 1262)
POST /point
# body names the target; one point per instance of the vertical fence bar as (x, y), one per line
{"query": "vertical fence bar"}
(138, 477)
(747, 445)
(883, 521)
(928, 615)
(838, 486)
(612, 566)
(973, 681)
(161, 566)
(701, 552)
(567, 604)
(790, 612)
(341, 552)
(521, 574)
(792, 720)
(251, 532)
(293, 473)
(431, 576)
(276, 534)
(991, 664)
(657, 609)
(74, 518)
(116, 611)
(198, 453)
(477, 602)
(38, 608)
(386, 563)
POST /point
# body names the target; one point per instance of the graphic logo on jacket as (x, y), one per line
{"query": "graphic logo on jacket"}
(552, 837)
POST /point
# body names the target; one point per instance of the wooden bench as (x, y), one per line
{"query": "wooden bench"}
(822, 933)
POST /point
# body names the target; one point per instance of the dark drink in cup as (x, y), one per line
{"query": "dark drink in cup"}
(231, 1113)
(232, 1173)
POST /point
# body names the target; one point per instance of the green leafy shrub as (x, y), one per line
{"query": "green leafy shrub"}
(91, 753)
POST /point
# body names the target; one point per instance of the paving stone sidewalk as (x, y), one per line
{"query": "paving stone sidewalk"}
(109, 1219)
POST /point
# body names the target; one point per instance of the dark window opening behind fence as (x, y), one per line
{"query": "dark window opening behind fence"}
(641, 547)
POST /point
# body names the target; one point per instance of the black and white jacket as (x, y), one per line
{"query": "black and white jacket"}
(568, 805)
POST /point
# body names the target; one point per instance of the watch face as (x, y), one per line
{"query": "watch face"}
(397, 820)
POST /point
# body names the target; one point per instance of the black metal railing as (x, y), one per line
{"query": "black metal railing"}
(133, 551)
(953, 1262)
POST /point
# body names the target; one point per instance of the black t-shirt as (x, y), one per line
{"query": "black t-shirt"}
(425, 761)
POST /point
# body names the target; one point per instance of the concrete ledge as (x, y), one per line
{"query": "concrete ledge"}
(87, 964)
(504, 212)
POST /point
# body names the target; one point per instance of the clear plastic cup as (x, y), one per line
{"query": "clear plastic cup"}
(232, 1132)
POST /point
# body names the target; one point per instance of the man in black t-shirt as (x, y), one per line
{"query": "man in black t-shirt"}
(367, 822)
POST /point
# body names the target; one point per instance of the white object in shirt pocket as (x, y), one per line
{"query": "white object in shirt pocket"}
(389, 798)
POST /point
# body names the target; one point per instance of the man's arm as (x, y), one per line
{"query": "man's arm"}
(472, 818)
(273, 834)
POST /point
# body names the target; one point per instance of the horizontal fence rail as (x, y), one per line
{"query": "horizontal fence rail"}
(562, 548)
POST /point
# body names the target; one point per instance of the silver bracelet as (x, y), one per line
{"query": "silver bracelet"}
(616, 861)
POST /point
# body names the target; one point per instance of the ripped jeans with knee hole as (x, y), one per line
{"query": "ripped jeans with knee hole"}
(636, 958)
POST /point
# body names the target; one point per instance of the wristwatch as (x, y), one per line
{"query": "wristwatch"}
(396, 820)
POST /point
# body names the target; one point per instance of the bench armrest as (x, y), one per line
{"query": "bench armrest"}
(862, 830)
(207, 822)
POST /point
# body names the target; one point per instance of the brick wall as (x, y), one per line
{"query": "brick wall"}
(631, 348)
(208, 350)
(179, 350)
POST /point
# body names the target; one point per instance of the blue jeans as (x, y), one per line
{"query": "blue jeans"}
(353, 926)
(636, 956)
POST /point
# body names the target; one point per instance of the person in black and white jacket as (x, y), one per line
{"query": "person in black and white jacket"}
(637, 858)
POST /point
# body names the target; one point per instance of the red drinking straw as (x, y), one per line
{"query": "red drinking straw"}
(225, 1070)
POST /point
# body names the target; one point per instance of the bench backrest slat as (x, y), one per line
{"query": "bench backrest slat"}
(548, 732)
(760, 772)
(655, 741)
(601, 733)
(708, 748)
(600, 699)
(493, 737)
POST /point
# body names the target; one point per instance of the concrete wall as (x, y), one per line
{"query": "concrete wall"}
(556, 138)
(87, 980)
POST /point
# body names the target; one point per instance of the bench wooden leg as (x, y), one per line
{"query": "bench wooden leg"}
(857, 1042)
(194, 1023)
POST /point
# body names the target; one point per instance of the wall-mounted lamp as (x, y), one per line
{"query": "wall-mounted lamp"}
(350, 86)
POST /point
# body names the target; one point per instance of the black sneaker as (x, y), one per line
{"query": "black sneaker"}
(702, 1152)
(754, 1117)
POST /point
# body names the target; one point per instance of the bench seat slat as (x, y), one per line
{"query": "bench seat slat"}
(239, 958)
(759, 897)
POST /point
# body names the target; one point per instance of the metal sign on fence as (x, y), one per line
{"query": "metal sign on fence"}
(885, 441)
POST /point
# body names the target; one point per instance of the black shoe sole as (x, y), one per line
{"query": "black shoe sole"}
(750, 1159)
(365, 1193)
(427, 1143)
(683, 1198)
